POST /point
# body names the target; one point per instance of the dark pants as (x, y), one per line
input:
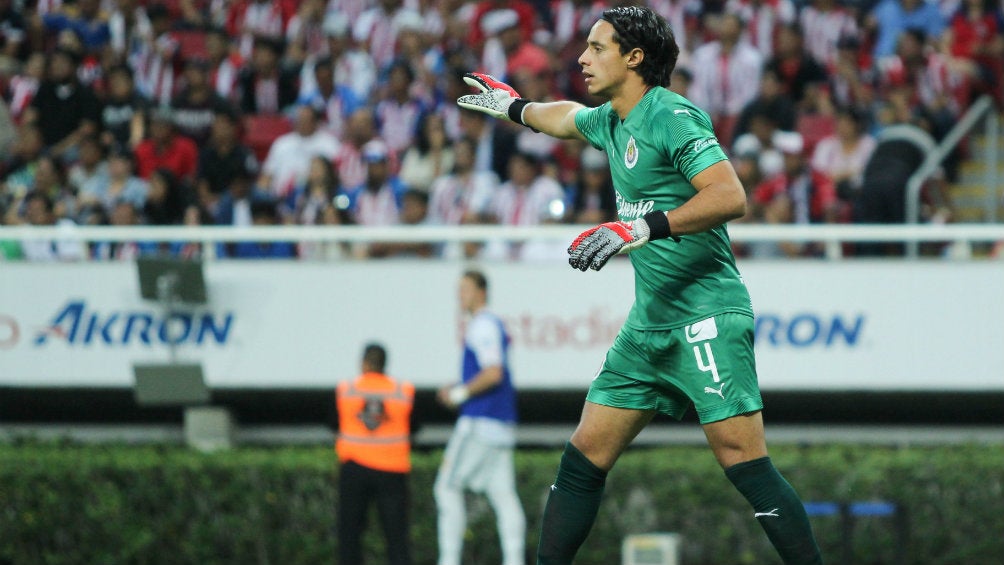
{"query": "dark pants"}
(358, 486)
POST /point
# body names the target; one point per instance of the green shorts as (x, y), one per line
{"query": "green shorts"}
(708, 364)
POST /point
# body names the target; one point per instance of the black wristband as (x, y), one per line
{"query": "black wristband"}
(516, 110)
(658, 226)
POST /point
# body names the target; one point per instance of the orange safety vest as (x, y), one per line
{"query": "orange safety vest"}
(374, 422)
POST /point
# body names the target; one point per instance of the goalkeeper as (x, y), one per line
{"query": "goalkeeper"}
(688, 340)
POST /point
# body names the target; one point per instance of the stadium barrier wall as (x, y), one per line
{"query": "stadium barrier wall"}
(820, 326)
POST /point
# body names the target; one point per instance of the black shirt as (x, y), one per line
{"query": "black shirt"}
(219, 170)
(117, 115)
(194, 118)
(62, 108)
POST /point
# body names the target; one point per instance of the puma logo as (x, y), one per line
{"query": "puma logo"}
(772, 513)
(718, 391)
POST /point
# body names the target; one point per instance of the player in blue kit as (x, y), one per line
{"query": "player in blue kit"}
(688, 340)
(479, 455)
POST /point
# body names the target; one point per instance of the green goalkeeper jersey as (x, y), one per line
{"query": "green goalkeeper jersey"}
(664, 142)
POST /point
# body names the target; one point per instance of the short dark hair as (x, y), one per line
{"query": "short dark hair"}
(478, 278)
(639, 27)
(375, 357)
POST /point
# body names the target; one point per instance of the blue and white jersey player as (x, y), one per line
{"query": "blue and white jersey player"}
(479, 455)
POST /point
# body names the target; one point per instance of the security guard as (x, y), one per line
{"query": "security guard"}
(374, 448)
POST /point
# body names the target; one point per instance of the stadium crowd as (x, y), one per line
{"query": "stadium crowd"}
(329, 112)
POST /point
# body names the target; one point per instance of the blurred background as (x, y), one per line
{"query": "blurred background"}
(304, 166)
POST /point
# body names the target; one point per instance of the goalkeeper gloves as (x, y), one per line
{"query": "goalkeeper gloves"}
(595, 246)
(497, 99)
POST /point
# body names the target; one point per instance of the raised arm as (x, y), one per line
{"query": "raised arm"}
(499, 100)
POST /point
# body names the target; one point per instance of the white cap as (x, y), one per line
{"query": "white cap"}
(408, 20)
(497, 21)
(788, 142)
(592, 158)
(374, 150)
(336, 24)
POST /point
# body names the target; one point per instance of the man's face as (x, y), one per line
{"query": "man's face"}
(470, 296)
(602, 62)
(37, 213)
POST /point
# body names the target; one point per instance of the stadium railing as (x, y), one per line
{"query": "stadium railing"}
(961, 237)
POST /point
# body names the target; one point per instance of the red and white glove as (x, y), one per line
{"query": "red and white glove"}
(595, 246)
(497, 99)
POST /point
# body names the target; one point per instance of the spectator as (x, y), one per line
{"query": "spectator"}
(39, 211)
(375, 30)
(378, 201)
(811, 195)
(842, 156)
(759, 143)
(796, 195)
(975, 37)
(50, 180)
(90, 172)
(528, 198)
(307, 203)
(165, 148)
(195, 107)
(334, 102)
(397, 111)
(593, 199)
(535, 85)
(21, 87)
(304, 32)
(726, 74)
(128, 26)
(771, 101)
(851, 84)
(934, 86)
(123, 214)
(264, 213)
(507, 49)
(224, 156)
(64, 110)
(420, 47)
(13, 32)
(890, 18)
(353, 67)
(165, 201)
(288, 160)
(496, 142)
(462, 197)
(87, 22)
(359, 130)
(233, 208)
(763, 19)
(486, 9)
(796, 70)
(374, 450)
(153, 58)
(824, 23)
(124, 116)
(265, 87)
(20, 164)
(225, 62)
(430, 157)
(252, 20)
(414, 212)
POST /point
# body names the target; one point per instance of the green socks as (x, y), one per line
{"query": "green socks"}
(778, 509)
(571, 508)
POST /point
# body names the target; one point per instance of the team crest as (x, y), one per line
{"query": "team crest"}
(631, 154)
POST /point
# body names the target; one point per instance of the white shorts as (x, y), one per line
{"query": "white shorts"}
(479, 453)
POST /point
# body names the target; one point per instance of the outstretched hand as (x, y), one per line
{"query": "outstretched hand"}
(497, 99)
